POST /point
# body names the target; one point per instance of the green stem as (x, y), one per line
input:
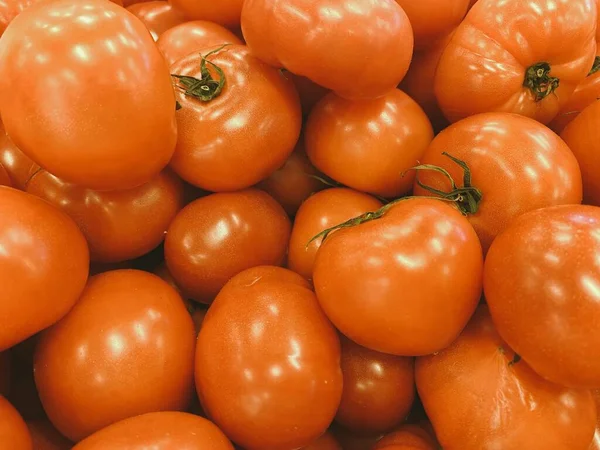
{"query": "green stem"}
(595, 66)
(538, 79)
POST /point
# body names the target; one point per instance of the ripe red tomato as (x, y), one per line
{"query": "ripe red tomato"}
(323, 210)
(158, 430)
(290, 363)
(97, 56)
(13, 431)
(190, 37)
(407, 437)
(365, 63)
(43, 265)
(325, 442)
(4, 177)
(496, 61)
(223, 12)
(45, 437)
(126, 348)
(478, 395)
(409, 280)
(18, 166)
(551, 258)
(216, 237)
(309, 91)
(118, 225)
(158, 16)
(242, 135)
(379, 389)
(517, 163)
(368, 145)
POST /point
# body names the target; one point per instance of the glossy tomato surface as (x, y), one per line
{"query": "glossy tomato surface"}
(126, 348)
(9, 9)
(17, 165)
(14, 434)
(158, 16)
(223, 12)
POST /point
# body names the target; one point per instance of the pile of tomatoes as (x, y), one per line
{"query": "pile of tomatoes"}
(299, 224)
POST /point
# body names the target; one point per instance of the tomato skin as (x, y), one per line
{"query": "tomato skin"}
(323, 210)
(291, 371)
(223, 12)
(40, 289)
(126, 348)
(158, 16)
(483, 67)
(407, 437)
(189, 37)
(4, 177)
(17, 165)
(550, 256)
(45, 437)
(477, 399)
(221, 144)
(123, 130)
(518, 164)
(13, 431)
(325, 442)
(11, 9)
(586, 93)
(118, 225)
(160, 431)
(364, 64)
(368, 145)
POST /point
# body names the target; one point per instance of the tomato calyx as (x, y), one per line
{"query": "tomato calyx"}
(538, 79)
(595, 67)
(515, 359)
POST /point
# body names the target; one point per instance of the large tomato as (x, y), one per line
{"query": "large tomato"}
(549, 310)
(14, 434)
(406, 283)
(18, 166)
(158, 16)
(43, 265)
(367, 145)
(223, 12)
(525, 57)
(243, 130)
(87, 95)
(312, 39)
(126, 348)
(517, 163)
(268, 363)
(118, 225)
(45, 437)
(478, 395)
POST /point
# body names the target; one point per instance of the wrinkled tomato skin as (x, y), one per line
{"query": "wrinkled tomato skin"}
(368, 145)
(43, 265)
(13, 431)
(291, 371)
(366, 280)
(4, 177)
(325, 442)
(407, 437)
(223, 12)
(160, 431)
(158, 16)
(466, 386)
(551, 257)
(518, 165)
(216, 237)
(45, 437)
(17, 165)
(323, 210)
(126, 348)
(366, 63)
(222, 143)
(123, 129)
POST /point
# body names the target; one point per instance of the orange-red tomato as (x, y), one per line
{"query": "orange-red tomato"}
(158, 16)
(312, 39)
(550, 256)
(4, 177)
(118, 225)
(13, 431)
(223, 12)
(268, 363)
(309, 91)
(407, 437)
(45, 437)
(9, 9)
(478, 395)
(367, 145)
(126, 348)
(243, 134)
(190, 37)
(497, 61)
(325, 442)
(517, 163)
(406, 283)
(43, 265)
(107, 119)
(160, 431)
(18, 166)
(323, 210)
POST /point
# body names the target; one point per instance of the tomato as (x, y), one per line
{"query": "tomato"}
(290, 363)
(266, 274)
(582, 137)
(596, 441)
(216, 237)
(551, 258)
(223, 142)
(223, 12)
(118, 225)
(13, 431)
(407, 437)
(158, 430)
(404, 284)
(323, 210)
(190, 37)
(478, 395)
(18, 166)
(497, 61)
(45, 437)
(123, 130)
(158, 16)
(472, 3)
(309, 91)
(9, 9)
(518, 165)
(368, 145)
(4, 177)
(364, 63)
(43, 265)
(126, 348)
(4, 373)
(379, 389)
(325, 442)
